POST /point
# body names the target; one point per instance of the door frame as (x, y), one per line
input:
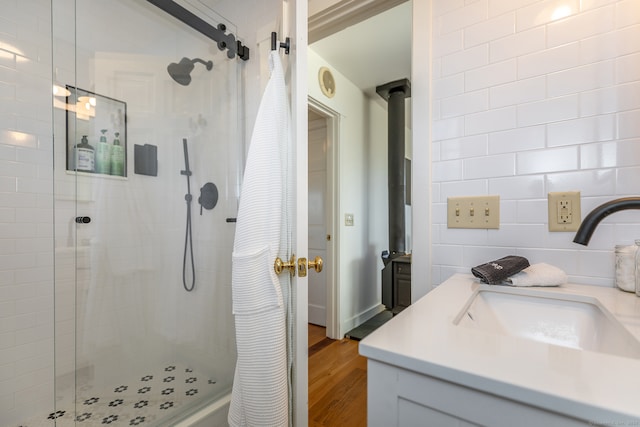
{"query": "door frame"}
(294, 25)
(332, 262)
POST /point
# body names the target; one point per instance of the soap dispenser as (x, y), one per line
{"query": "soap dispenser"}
(117, 157)
(103, 155)
(85, 156)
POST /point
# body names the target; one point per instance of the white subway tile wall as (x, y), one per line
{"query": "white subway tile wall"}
(26, 202)
(533, 96)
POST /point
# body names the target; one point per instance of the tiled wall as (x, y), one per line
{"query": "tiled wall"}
(26, 202)
(530, 97)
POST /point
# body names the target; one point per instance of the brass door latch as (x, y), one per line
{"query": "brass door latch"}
(279, 266)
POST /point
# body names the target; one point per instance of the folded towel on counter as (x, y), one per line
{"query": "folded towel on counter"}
(538, 275)
(496, 271)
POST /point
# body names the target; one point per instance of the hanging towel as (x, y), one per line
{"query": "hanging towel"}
(538, 275)
(495, 271)
(260, 297)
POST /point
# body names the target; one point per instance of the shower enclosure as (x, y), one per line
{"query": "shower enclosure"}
(96, 327)
(134, 346)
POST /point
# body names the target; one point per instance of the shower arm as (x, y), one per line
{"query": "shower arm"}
(208, 64)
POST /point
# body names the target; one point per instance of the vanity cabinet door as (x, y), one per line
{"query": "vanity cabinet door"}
(402, 398)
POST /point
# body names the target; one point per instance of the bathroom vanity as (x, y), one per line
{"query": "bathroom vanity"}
(472, 354)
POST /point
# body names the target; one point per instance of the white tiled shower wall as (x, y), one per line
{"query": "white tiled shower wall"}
(26, 204)
(530, 97)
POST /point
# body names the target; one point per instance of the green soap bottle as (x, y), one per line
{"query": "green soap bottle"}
(103, 155)
(117, 157)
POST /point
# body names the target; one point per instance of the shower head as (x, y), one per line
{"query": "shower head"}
(181, 72)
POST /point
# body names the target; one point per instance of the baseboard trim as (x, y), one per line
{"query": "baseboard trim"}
(360, 318)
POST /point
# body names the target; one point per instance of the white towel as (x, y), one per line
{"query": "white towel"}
(260, 395)
(538, 275)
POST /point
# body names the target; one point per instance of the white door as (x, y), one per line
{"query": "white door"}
(318, 232)
(295, 26)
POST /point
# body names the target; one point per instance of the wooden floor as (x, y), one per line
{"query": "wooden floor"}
(337, 381)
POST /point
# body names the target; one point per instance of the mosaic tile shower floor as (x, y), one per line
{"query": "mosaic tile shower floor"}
(144, 401)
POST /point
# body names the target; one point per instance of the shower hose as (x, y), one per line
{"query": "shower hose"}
(188, 239)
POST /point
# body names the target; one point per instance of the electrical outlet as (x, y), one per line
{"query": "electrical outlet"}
(473, 212)
(564, 211)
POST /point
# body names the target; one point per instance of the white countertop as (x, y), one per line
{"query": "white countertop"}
(587, 385)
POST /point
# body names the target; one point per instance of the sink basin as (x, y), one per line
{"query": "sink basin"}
(573, 321)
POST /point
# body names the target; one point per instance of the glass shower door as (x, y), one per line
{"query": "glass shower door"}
(144, 330)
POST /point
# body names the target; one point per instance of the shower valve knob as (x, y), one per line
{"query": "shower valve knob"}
(208, 196)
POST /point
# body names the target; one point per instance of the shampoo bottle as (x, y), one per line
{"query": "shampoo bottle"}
(117, 157)
(103, 155)
(85, 156)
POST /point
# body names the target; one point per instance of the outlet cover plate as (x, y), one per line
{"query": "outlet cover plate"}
(564, 211)
(473, 212)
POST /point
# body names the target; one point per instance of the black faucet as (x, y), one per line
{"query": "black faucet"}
(592, 220)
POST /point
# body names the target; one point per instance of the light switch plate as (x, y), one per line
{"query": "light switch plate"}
(348, 219)
(564, 211)
(473, 212)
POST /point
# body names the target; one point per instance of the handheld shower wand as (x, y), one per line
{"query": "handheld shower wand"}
(188, 240)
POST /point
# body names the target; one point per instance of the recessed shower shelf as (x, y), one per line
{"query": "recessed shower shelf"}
(97, 175)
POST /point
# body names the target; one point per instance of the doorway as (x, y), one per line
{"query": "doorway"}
(319, 237)
(323, 234)
(361, 191)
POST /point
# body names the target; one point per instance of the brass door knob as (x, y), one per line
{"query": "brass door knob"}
(316, 264)
(279, 266)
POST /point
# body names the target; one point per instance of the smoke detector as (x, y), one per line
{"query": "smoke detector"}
(327, 82)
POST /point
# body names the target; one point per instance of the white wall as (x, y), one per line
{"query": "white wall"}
(362, 128)
(377, 191)
(26, 203)
(316, 6)
(523, 105)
